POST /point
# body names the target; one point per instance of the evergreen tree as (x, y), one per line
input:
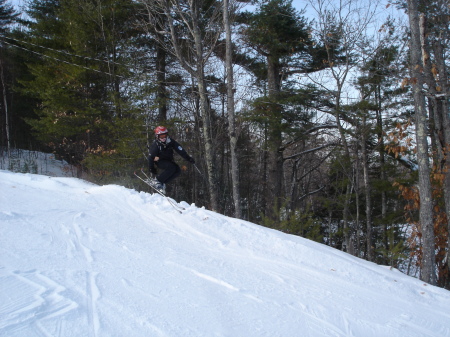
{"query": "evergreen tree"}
(8, 16)
(277, 32)
(376, 87)
(80, 78)
(281, 36)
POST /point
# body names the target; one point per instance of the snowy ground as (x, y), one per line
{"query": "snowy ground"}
(78, 259)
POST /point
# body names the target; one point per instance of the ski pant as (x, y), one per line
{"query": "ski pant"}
(171, 170)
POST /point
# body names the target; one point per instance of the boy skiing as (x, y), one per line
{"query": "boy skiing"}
(161, 155)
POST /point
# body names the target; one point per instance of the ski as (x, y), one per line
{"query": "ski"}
(177, 207)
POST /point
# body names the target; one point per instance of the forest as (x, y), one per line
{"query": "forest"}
(330, 122)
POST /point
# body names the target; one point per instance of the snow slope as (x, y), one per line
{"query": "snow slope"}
(77, 259)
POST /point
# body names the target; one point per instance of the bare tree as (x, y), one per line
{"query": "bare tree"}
(426, 202)
(190, 30)
(367, 186)
(434, 38)
(342, 25)
(230, 110)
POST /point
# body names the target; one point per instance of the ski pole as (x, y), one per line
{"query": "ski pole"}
(200, 172)
(198, 169)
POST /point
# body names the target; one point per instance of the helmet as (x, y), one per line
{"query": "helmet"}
(160, 130)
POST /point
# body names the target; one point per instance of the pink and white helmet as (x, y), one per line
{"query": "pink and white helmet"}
(161, 130)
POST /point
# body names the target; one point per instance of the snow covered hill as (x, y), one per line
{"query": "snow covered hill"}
(78, 259)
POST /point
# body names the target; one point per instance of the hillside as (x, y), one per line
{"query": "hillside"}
(77, 259)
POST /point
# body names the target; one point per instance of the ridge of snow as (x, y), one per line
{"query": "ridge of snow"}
(77, 259)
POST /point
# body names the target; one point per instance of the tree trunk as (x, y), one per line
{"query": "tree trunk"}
(275, 155)
(205, 109)
(161, 82)
(436, 77)
(5, 103)
(381, 155)
(357, 225)
(346, 168)
(368, 192)
(426, 203)
(230, 110)
(445, 111)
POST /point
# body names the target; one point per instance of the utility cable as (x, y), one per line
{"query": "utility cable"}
(59, 60)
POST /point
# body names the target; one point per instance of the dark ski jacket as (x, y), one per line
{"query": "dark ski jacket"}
(165, 151)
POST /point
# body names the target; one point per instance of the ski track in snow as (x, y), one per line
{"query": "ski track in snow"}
(92, 291)
(41, 299)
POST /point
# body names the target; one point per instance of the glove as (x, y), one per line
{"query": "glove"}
(191, 160)
(153, 170)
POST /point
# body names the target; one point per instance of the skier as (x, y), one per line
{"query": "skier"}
(161, 155)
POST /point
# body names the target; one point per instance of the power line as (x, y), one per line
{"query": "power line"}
(59, 60)
(2, 38)
(64, 52)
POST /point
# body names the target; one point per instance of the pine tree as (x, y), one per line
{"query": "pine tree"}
(79, 78)
(281, 36)
(277, 32)
(8, 16)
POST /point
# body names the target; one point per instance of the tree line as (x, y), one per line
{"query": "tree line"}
(330, 123)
